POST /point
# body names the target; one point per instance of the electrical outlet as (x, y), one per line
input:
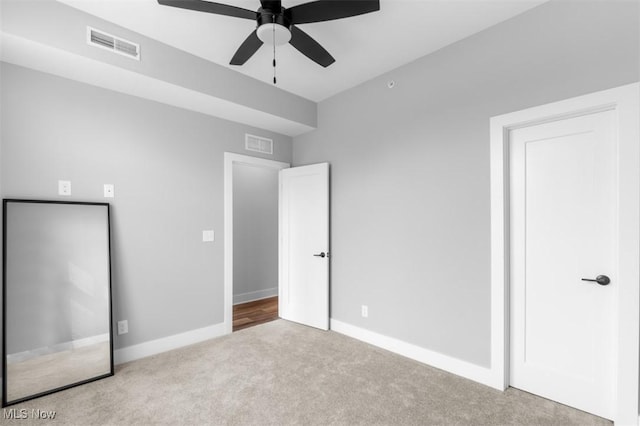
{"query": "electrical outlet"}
(365, 311)
(64, 187)
(108, 190)
(208, 235)
(123, 327)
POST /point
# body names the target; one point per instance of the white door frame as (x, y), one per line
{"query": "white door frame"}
(229, 160)
(625, 101)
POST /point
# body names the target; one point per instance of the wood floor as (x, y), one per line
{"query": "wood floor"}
(253, 313)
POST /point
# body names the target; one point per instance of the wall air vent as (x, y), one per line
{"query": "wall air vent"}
(115, 44)
(258, 144)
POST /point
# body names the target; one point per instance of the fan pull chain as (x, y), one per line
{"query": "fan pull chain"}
(274, 49)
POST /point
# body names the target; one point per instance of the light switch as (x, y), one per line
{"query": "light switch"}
(208, 235)
(64, 187)
(108, 190)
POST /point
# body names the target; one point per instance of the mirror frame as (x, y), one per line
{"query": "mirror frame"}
(4, 300)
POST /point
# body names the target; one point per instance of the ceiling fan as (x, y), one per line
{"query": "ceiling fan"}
(276, 25)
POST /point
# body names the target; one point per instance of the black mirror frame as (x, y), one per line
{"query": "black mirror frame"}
(5, 201)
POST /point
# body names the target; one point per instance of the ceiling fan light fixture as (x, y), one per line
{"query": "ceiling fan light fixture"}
(266, 34)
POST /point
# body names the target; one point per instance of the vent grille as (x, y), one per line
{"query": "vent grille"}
(115, 44)
(102, 39)
(258, 144)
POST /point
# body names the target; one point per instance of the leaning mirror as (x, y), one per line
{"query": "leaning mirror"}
(56, 297)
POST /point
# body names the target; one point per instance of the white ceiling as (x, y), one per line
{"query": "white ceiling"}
(364, 46)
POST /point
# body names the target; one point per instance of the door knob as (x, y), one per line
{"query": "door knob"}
(320, 255)
(600, 279)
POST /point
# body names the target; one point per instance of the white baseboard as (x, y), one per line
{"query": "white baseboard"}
(59, 347)
(443, 362)
(254, 295)
(152, 347)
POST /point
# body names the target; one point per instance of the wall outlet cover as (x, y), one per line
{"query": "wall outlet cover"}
(64, 187)
(109, 190)
(365, 311)
(208, 235)
(123, 327)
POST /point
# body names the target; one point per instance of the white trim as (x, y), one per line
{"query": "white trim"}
(164, 344)
(30, 54)
(625, 101)
(229, 160)
(252, 296)
(435, 359)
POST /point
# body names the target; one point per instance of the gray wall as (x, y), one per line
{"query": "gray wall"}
(255, 232)
(410, 166)
(167, 167)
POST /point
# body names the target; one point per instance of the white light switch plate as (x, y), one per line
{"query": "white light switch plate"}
(64, 187)
(109, 190)
(208, 235)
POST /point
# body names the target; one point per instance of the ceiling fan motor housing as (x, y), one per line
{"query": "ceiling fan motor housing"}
(267, 33)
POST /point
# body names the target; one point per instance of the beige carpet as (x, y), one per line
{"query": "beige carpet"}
(281, 373)
(57, 369)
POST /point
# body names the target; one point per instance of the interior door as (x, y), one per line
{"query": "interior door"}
(563, 210)
(304, 245)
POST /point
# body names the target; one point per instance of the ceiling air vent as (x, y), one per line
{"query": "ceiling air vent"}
(258, 144)
(115, 44)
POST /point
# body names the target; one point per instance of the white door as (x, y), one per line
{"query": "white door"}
(304, 245)
(563, 229)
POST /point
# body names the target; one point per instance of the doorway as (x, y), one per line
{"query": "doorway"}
(251, 240)
(564, 206)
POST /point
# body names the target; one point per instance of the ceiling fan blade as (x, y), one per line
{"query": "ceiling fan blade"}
(310, 48)
(273, 5)
(210, 7)
(247, 49)
(327, 10)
